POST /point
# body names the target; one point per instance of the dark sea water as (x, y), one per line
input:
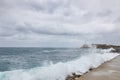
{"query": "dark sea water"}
(25, 58)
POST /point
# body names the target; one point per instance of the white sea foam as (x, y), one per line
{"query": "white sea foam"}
(60, 70)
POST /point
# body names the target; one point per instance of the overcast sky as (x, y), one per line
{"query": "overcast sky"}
(59, 23)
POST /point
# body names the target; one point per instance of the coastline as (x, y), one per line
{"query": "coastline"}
(107, 71)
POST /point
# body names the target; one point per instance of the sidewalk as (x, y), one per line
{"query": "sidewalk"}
(107, 71)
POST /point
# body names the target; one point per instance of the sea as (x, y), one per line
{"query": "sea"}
(27, 63)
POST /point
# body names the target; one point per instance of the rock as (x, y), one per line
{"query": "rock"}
(74, 76)
(105, 46)
(90, 69)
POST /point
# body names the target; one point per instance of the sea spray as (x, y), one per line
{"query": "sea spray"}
(60, 70)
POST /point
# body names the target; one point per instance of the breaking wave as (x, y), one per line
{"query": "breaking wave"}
(60, 70)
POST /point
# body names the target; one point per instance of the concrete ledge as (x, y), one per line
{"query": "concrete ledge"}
(107, 71)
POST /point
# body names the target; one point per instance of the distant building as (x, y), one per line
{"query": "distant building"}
(88, 46)
(85, 46)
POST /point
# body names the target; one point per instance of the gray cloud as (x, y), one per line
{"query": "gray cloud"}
(59, 21)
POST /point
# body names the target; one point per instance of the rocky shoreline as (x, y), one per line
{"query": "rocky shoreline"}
(102, 46)
(116, 48)
(105, 46)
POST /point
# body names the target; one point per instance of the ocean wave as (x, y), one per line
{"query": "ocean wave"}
(60, 70)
